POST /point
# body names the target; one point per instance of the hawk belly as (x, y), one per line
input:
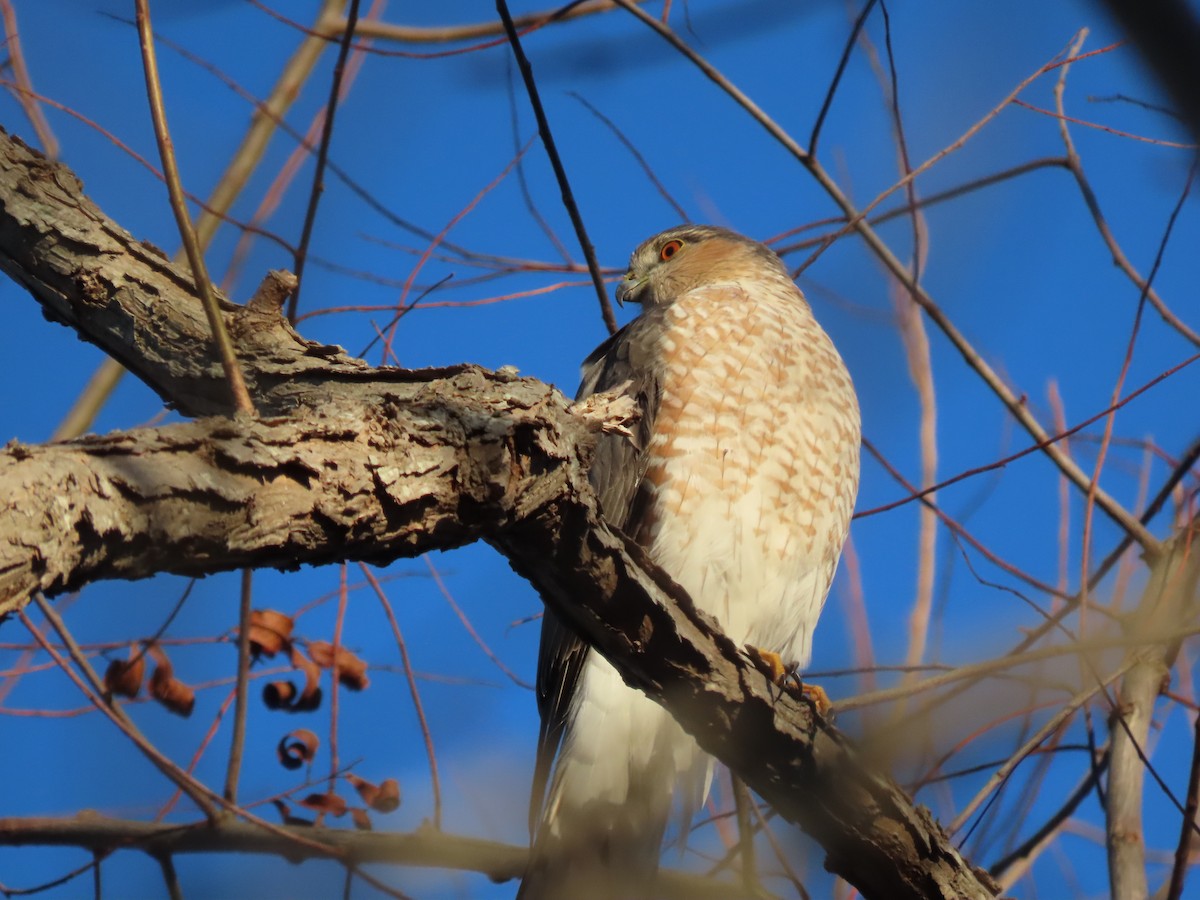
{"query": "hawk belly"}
(751, 477)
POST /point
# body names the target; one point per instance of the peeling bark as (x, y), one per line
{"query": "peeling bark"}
(350, 462)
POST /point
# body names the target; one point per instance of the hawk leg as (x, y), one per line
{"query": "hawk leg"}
(780, 673)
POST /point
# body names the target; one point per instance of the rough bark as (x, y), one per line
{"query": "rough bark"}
(350, 462)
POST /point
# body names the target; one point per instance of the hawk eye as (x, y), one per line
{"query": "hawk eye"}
(669, 249)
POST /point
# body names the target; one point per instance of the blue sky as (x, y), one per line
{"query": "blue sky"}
(1019, 268)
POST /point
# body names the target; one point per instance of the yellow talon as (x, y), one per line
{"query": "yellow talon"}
(818, 698)
(773, 666)
(771, 662)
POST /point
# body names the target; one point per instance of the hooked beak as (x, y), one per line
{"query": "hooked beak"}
(629, 288)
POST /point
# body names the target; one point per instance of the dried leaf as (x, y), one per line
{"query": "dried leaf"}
(270, 631)
(389, 796)
(124, 676)
(166, 688)
(325, 804)
(384, 798)
(362, 821)
(352, 671)
(285, 696)
(297, 748)
(279, 695)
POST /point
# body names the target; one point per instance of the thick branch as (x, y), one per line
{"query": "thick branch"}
(412, 468)
(1169, 596)
(425, 847)
(380, 463)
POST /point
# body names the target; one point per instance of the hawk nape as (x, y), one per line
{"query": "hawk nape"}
(740, 484)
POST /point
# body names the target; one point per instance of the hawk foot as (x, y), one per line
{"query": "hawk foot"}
(771, 664)
(781, 674)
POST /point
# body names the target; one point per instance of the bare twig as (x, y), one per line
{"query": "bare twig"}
(637, 157)
(16, 58)
(335, 693)
(195, 253)
(318, 187)
(1067, 710)
(440, 34)
(167, 863)
(975, 671)
(1075, 165)
(742, 802)
(1183, 851)
(560, 173)
(466, 623)
(1033, 448)
(237, 743)
(435, 780)
(859, 22)
(1012, 866)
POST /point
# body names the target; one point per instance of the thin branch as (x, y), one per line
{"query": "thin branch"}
(560, 173)
(237, 745)
(1006, 868)
(743, 801)
(637, 157)
(847, 49)
(975, 671)
(158, 113)
(170, 877)
(526, 196)
(16, 59)
(1041, 445)
(439, 34)
(1188, 825)
(335, 678)
(435, 781)
(466, 623)
(1053, 724)
(318, 187)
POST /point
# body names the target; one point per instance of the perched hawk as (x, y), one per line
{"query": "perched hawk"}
(740, 484)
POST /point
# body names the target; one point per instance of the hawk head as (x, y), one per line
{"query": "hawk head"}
(691, 256)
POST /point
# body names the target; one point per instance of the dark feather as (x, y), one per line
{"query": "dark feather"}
(616, 475)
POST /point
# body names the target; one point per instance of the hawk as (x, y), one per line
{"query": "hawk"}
(739, 482)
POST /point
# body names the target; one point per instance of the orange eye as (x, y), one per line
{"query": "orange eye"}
(669, 249)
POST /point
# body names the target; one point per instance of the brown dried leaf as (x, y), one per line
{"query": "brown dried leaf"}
(286, 696)
(389, 796)
(384, 798)
(310, 697)
(166, 688)
(325, 804)
(270, 631)
(124, 676)
(279, 695)
(297, 748)
(362, 821)
(352, 671)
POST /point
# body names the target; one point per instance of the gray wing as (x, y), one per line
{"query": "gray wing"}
(616, 475)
